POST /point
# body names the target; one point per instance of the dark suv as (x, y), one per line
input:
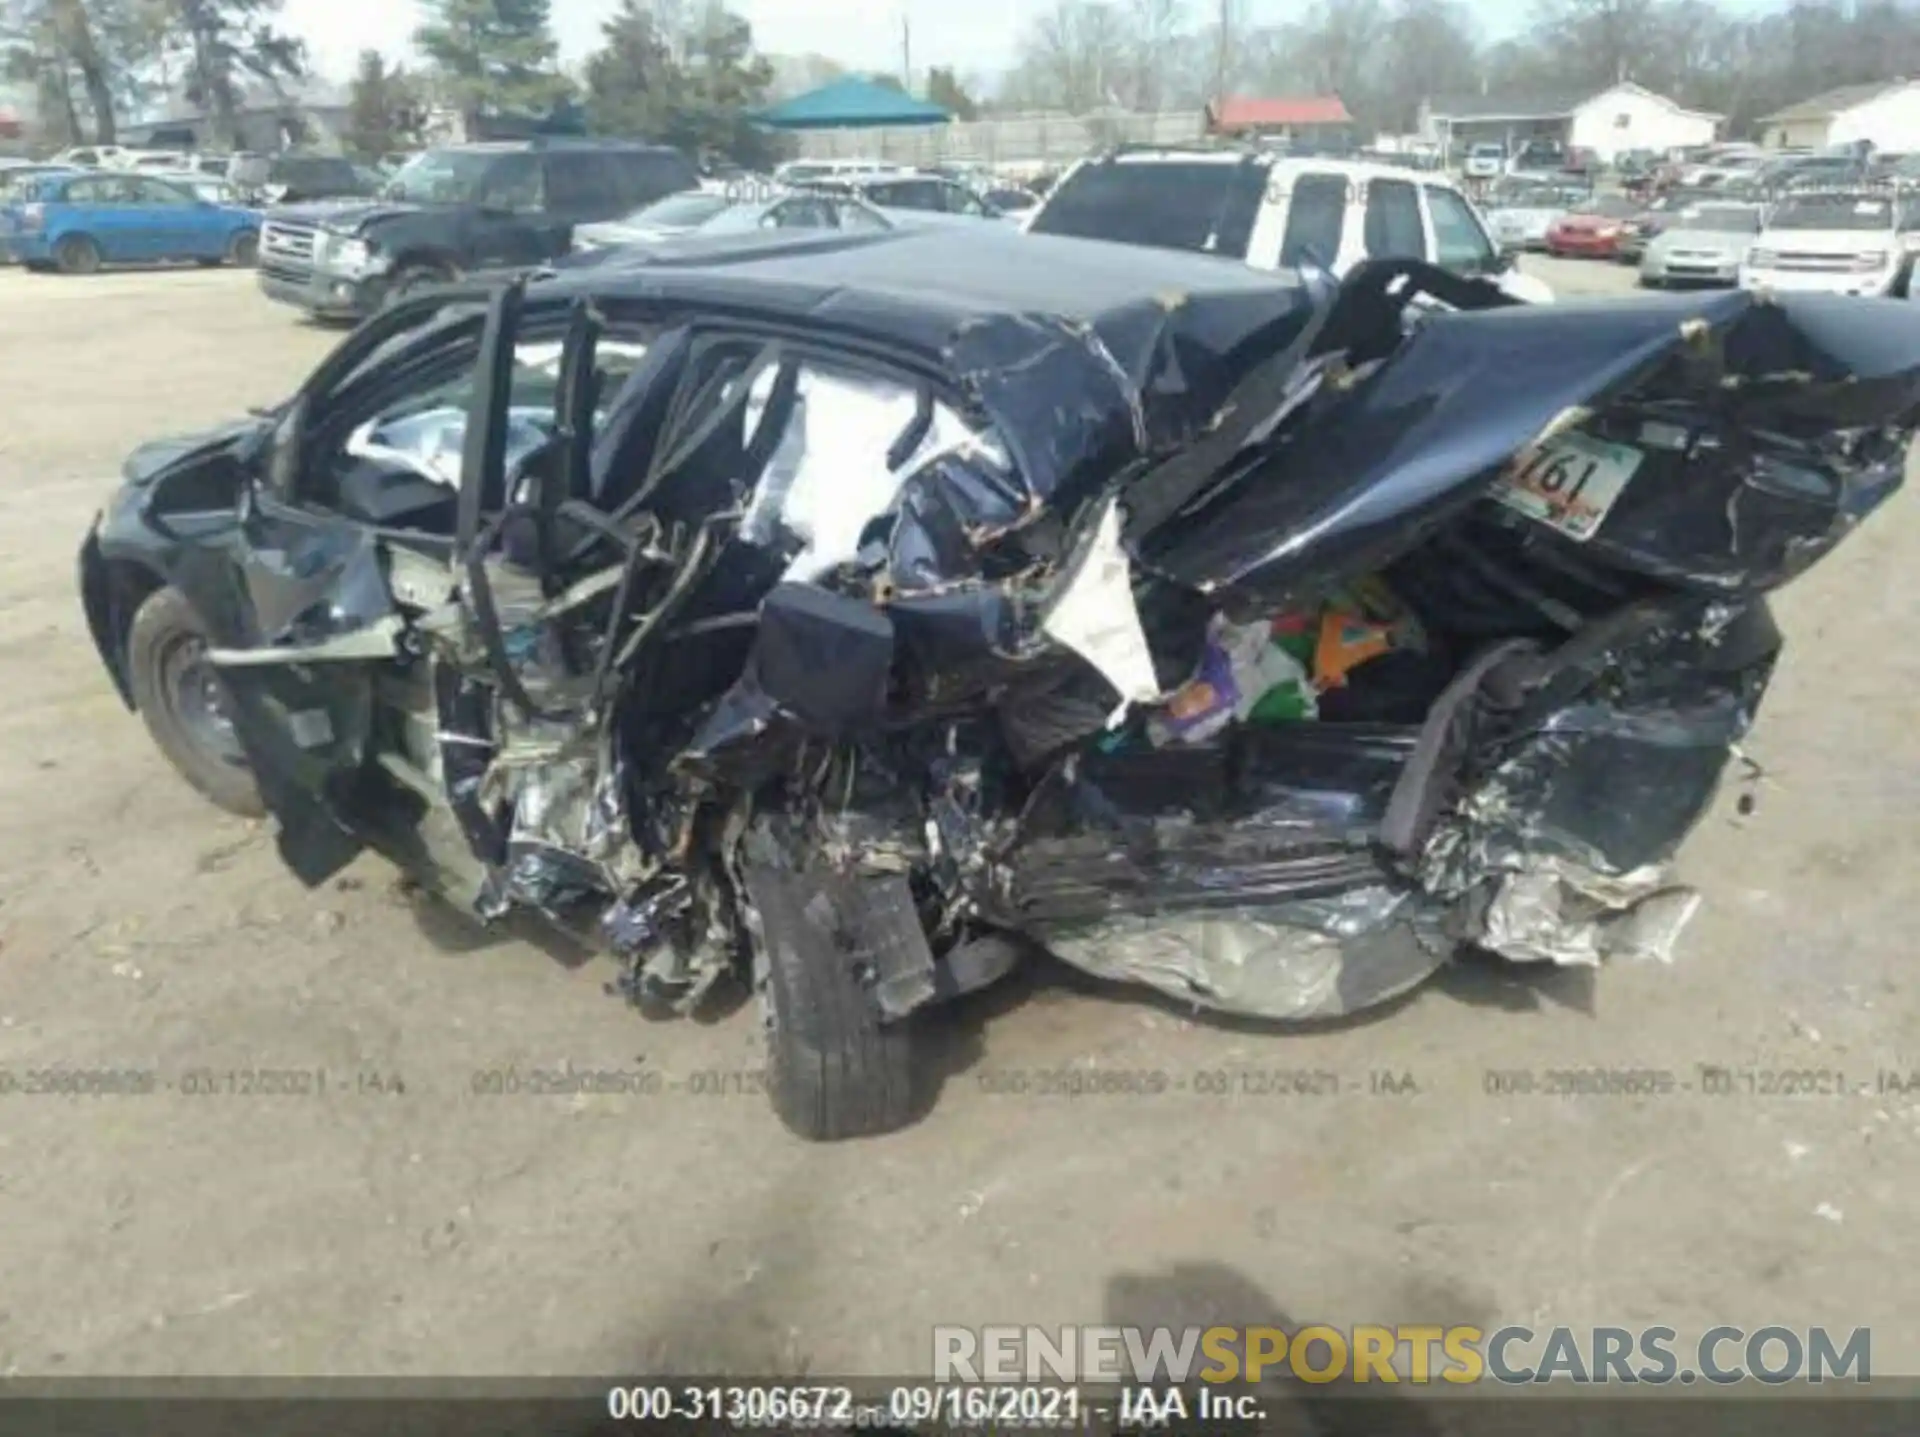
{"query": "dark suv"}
(457, 211)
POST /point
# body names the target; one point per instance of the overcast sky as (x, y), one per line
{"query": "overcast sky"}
(977, 37)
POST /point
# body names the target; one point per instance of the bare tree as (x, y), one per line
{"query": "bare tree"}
(1077, 55)
(1428, 51)
(1155, 26)
(1383, 57)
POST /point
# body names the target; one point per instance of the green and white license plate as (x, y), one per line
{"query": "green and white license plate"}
(1569, 483)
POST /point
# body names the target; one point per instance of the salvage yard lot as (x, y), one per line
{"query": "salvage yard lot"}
(416, 1219)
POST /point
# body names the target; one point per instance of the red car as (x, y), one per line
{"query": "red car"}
(1594, 230)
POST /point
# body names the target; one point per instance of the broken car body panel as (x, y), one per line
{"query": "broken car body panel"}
(881, 557)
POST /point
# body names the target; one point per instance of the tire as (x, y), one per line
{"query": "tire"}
(163, 644)
(834, 1070)
(243, 249)
(77, 254)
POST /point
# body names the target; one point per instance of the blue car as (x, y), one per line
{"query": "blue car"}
(79, 221)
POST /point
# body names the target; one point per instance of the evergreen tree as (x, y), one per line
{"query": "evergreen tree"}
(382, 113)
(633, 84)
(493, 55)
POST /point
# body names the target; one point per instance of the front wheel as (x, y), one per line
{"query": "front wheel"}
(243, 249)
(834, 1069)
(182, 700)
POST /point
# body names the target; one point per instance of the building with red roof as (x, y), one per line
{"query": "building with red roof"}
(1304, 121)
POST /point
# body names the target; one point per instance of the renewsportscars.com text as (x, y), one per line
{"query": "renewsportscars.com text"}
(1403, 1353)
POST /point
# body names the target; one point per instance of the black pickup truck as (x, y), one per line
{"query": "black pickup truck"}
(457, 211)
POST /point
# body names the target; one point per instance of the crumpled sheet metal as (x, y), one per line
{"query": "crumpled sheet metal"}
(1426, 432)
(1316, 958)
(310, 581)
(562, 787)
(1562, 851)
(1556, 911)
(1077, 403)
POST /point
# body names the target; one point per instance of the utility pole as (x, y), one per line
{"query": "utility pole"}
(906, 54)
(1221, 58)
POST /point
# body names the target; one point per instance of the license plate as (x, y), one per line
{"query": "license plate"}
(1569, 483)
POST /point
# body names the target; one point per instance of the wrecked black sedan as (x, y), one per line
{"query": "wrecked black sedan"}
(850, 616)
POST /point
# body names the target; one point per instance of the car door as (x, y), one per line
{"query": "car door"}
(1393, 226)
(1309, 209)
(303, 612)
(509, 227)
(1459, 242)
(102, 208)
(174, 223)
(582, 187)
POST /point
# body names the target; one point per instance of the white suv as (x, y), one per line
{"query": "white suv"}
(1842, 241)
(1277, 212)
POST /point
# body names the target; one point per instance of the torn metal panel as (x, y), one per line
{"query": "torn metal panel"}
(1092, 612)
(1360, 475)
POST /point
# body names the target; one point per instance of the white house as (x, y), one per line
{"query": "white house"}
(1885, 113)
(1620, 118)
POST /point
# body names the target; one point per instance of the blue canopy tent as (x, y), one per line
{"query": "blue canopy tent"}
(850, 103)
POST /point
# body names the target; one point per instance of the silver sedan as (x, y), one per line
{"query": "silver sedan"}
(720, 216)
(1701, 245)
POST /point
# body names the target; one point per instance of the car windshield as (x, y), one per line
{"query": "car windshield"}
(690, 208)
(446, 177)
(1833, 212)
(1731, 219)
(1609, 207)
(1482, 152)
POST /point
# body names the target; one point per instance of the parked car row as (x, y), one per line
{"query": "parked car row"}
(76, 221)
(1859, 238)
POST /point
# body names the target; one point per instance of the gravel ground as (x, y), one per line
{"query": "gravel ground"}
(434, 1230)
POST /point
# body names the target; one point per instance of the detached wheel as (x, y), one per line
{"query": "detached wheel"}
(183, 703)
(243, 249)
(834, 1070)
(76, 254)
